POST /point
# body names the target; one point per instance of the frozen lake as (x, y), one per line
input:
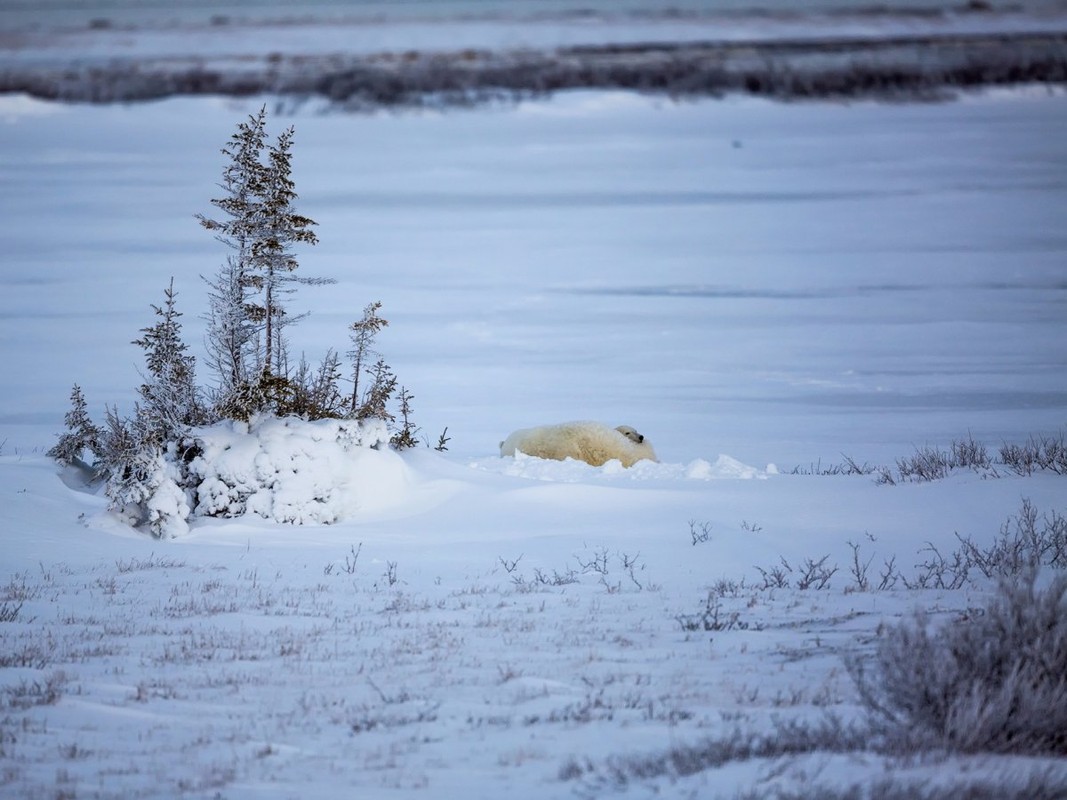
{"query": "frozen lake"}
(780, 282)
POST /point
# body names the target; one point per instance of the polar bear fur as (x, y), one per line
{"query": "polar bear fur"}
(592, 442)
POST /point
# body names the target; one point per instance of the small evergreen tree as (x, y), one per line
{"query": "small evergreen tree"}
(443, 440)
(363, 334)
(405, 437)
(170, 402)
(230, 333)
(316, 394)
(81, 434)
(231, 330)
(376, 399)
(119, 446)
(272, 262)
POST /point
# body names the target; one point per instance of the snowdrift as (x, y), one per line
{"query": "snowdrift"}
(291, 470)
(286, 470)
(573, 471)
(320, 472)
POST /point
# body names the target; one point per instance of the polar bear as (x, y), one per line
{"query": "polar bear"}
(592, 442)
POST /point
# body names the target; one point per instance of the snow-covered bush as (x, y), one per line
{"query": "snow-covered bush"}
(994, 681)
(282, 469)
(289, 470)
(146, 489)
(166, 503)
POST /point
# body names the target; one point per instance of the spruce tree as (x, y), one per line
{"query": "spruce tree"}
(231, 328)
(120, 445)
(376, 399)
(272, 262)
(363, 334)
(230, 333)
(405, 437)
(247, 318)
(170, 402)
(81, 434)
(315, 391)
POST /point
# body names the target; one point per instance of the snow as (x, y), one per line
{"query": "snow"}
(295, 471)
(756, 287)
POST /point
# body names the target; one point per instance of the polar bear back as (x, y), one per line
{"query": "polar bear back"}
(592, 442)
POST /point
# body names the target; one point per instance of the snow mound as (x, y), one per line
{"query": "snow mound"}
(571, 471)
(284, 470)
(295, 471)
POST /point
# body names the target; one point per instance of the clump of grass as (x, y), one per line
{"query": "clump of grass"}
(599, 563)
(9, 612)
(35, 655)
(848, 466)
(28, 694)
(1027, 540)
(699, 532)
(970, 453)
(712, 617)
(152, 562)
(790, 737)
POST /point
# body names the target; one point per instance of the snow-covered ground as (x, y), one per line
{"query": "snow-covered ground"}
(756, 287)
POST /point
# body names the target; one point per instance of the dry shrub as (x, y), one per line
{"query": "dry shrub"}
(994, 681)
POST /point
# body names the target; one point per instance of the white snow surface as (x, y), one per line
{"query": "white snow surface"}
(756, 287)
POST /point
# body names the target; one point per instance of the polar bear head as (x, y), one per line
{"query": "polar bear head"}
(631, 434)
